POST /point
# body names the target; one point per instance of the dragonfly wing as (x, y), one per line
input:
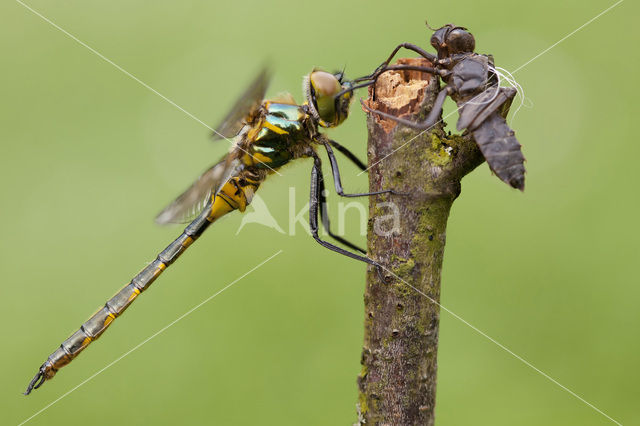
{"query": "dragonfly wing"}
(475, 112)
(192, 201)
(245, 106)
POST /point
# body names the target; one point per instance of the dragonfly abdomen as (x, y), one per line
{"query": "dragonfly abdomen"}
(114, 307)
(236, 194)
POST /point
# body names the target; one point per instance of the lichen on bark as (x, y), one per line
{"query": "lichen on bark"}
(397, 383)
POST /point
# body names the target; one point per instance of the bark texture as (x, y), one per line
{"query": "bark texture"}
(397, 384)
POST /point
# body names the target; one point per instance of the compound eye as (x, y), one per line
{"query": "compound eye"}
(435, 42)
(439, 37)
(460, 41)
(324, 83)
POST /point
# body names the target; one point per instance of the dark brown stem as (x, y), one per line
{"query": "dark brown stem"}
(397, 384)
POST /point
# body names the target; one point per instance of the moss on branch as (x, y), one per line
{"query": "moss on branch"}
(397, 383)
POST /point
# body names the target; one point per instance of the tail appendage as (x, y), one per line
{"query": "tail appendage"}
(236, 194)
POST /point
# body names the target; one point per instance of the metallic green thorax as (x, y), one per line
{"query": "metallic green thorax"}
(282, 126)
(286, 111)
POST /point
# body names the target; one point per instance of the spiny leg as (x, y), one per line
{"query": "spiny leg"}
(324, 218)
(337, 181)
(383, 66)
(410, 46)
(314, 197)
(409, 67)
(314, 200)
(357, 86)
(430, 121)
(373, 77)
(350, 155)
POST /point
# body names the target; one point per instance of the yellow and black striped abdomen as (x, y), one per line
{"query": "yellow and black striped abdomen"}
(235, 194)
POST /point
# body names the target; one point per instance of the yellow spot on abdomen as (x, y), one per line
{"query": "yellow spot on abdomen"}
(135, 294)
(161, 267)
(109, 320)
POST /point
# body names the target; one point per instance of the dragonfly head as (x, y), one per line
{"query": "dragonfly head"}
(320, 89)
(450, 40)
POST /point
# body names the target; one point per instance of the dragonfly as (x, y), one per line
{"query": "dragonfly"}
(473, 82)
(265, 135)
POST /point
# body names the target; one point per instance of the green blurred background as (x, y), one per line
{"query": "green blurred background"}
(89, 157)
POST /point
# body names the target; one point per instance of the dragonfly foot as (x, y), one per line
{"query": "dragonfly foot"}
(379, 270)
(403, 194)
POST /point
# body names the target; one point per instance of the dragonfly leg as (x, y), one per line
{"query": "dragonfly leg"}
(338, 181)
(383, 66)
(314, 201)
(430, 121)
(324, 218)
(350, 155)
(408, 67)
(410, 46)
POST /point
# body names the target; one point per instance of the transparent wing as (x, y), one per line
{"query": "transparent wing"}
(245, 106)
(192, 201)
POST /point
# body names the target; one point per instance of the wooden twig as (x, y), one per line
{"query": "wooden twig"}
(397, 384)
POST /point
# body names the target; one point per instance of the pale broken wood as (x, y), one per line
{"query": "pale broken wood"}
(400, 93)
